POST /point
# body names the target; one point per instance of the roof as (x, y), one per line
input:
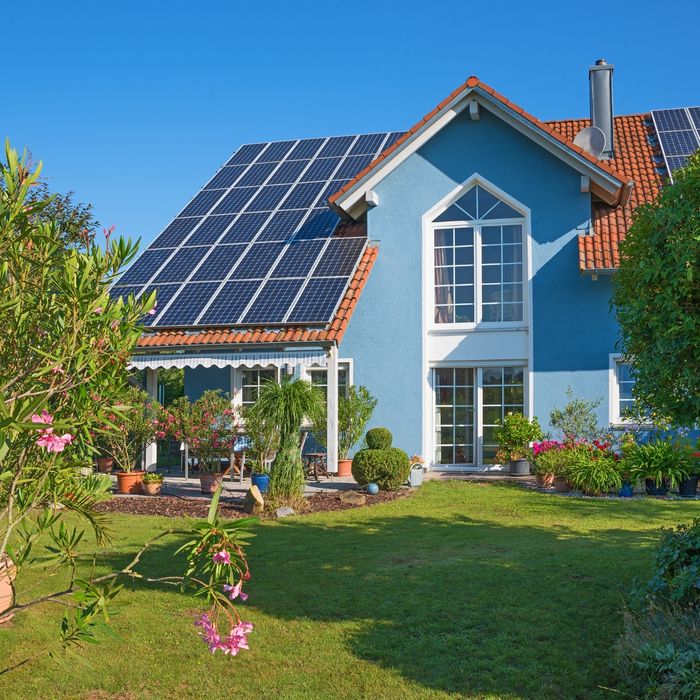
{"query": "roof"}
(333, 333)
(474, 84)
(635, 157)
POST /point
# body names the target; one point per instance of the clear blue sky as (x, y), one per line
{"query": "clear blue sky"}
(134, 105)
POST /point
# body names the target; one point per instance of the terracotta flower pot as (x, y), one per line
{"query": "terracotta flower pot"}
(544, 481)
(130, 482)
(7, 576)
(152, 488)
(344, 467)
(561, 484)
(105, 464)
(209, 482)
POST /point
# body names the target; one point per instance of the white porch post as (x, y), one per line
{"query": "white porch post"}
(151, 451)
(332, 410)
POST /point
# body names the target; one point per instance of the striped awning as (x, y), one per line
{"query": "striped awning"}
(228, 359)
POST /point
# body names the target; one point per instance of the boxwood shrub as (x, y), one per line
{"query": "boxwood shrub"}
(388, 468)
(379, 438)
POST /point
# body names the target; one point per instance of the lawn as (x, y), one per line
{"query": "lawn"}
(462, 590)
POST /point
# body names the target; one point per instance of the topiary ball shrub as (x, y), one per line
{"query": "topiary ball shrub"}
(379, 438)
(388, 468)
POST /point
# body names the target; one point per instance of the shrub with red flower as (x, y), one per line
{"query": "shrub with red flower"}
(208, 426)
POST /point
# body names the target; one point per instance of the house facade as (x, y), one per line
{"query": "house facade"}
(482, 284)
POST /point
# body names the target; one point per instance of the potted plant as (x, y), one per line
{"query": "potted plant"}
(354, 412)
(593, 468)
(660, 464)
(133, 424)
(209, 428)
(688, 487)
(152, 483)
(514, 435)
(263, 439)
(546, 458)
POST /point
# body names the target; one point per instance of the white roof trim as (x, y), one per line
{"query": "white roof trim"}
(229, 359)
(352, 201)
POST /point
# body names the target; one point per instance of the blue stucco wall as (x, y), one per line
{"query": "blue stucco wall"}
(572, 331)
(199, 379)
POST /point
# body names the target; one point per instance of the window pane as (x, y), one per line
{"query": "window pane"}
(492, 394)
(443, 395)
(445, 416)
(512, 292)
(513, 375)
(454, 424)
(464, 295)
(464, 376)
(490, 235)
(512, 234)
(464, 236)
(491, 274)
(443, 236)
(443, 295)
(444, 376)
(444, 314)
(464, 275)
(492, 375)
(444, 256)
(491, 254)
(512, 312)
(464, 313)
(512, 253)
(491, 313)
(464, 256)
(444, 275)
(512, 273)
(491, 293)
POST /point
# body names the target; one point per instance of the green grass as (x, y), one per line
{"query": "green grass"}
(460, 591)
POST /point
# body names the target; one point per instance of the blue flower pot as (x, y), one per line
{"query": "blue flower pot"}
(656, 490)
(262, 481)
(627, 491)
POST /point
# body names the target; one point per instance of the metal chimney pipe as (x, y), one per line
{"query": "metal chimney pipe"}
(600, 80)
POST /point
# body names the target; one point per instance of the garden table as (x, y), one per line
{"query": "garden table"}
(316, 464)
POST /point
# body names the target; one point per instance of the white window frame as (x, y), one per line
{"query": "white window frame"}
(237, 381)
(615, 420)
(478, 408)
(346, 364)
(430, 228)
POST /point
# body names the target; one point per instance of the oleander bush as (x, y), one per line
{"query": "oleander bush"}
(379, 438)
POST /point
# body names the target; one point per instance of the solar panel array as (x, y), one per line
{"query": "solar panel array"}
(256, 244)
(679, 134)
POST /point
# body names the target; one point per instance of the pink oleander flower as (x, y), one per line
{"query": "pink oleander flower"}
(221, 557)
(45, 417)
(236, 591)
(98, 310)
(237, 639)
(52, 442)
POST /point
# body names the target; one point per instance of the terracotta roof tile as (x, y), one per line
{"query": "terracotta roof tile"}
(334, 331)
(634, 156)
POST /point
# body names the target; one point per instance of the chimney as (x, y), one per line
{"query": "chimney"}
(600, 79)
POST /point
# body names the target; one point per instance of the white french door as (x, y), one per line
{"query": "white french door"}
(468, 402)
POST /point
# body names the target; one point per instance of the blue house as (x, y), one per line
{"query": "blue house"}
(459, 270)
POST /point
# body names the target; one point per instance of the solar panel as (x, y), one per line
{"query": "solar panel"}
(251, 245)
(164, 293)
(678, 131)
(219, 263)
(318, 300)
(273, 301)
(340, 257)
(210, 229)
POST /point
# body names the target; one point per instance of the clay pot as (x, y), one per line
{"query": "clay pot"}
(7, 576)
(105, 464)
(130, 482)
(561, 484)
(544, 481)
(152, 488)
(344, 467)
(210, 482)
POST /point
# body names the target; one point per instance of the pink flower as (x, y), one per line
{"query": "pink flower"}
(221, 557)
(152, 312)
(236, 591)
(52, 442)
(236, 639)
(98, 310)
(45, 417)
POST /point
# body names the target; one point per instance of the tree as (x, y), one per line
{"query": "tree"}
(656, 297)
(63, 379)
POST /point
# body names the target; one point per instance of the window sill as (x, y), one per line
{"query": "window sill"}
(462, 328)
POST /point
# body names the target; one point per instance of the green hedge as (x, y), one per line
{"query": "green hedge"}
(388, 468)
(379, 438)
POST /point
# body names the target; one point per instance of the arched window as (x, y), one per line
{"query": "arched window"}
(478, 261)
